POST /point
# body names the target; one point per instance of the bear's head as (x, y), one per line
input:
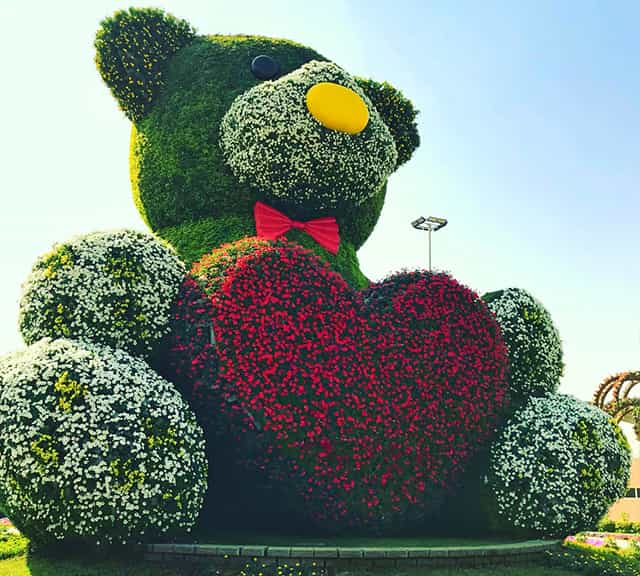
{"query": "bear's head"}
(221, 122)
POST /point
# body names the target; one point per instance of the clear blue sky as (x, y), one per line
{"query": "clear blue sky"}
(530, 121)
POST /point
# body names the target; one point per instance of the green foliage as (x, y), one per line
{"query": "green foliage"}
(132, 49)
(345, 262)
(177, 171)
(597, 561)
(118, 563)
(193, 240)
(472, 509)
(11, 544)
(357, 222)
(181, 185)
(621, 526)
(39, 566)
(176, 87)
(398, 113)
(558, 465)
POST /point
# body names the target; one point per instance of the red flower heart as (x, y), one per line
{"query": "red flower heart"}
(367, 404)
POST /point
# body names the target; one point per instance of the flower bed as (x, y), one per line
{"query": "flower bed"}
(600, 554)
(599, 539)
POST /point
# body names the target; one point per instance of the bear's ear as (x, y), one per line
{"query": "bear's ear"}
(398, 114)
(132, 49)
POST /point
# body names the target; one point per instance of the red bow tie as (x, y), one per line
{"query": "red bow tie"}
(271, 224)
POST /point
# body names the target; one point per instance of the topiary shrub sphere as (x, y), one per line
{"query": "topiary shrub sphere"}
(533, 343)
(95, 447)
(113, 288)
(558, 465)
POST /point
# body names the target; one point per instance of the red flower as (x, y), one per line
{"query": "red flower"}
(367, 404)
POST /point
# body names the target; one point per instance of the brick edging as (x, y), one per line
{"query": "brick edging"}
(339, 556)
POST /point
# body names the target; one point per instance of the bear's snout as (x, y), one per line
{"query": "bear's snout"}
(309, 141)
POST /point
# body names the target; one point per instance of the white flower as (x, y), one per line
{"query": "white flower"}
(95, 445)
(533, 343)
(558, 465)
(114, 288)
(271, 141)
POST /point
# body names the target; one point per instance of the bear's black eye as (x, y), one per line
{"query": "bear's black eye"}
(264, 67)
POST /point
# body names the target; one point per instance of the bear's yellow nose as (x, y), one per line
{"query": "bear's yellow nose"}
(337, 107)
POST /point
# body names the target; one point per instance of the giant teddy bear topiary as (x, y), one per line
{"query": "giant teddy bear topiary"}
(265, 167)
(366, 404)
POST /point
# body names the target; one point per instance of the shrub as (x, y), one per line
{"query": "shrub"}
(558, 465)
(11, 544)
(95, 447)
(597, 561)
(113, 288)
(622, 526)
(364, 405)
(533, 343)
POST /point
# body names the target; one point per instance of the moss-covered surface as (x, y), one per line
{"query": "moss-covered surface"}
(177, 171)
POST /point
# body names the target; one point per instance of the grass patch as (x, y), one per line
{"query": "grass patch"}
(37, 566)
(14, 560)
(40, 566)
(523, 570)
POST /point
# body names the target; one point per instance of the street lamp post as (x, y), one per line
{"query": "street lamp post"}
(430, 224)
